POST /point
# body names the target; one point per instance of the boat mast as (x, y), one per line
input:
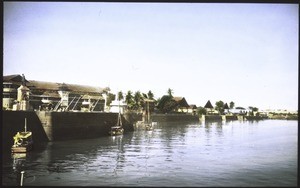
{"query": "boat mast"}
(25, 127)
(148, 114)
(119, 116)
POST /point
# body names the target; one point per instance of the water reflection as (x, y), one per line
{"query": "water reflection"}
(19, 160)
(67, 156)
(173, 154)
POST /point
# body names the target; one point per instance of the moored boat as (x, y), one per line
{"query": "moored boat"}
(148, 123)
(118, 129)
(22, 141)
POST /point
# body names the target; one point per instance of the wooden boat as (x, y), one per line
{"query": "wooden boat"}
(118, 129)
(22, 141)
(148, 123)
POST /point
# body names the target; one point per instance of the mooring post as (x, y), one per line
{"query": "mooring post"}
(22, 174)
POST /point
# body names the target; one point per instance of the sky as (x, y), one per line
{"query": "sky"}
(245, 53)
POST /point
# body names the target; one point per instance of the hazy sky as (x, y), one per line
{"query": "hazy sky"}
(245, 53)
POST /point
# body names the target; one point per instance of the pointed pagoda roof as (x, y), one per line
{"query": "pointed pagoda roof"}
(181, 101)
(208, 105)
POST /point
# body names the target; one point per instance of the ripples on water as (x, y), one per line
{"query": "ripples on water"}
(232, 153)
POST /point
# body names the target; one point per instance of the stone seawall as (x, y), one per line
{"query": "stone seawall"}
(51, 126)
(173, 117)
(79, 125)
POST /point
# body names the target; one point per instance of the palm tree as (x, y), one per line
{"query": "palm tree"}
(150, 95)
(120, 96)
(137, 100)
(129, 100)
(170, 92)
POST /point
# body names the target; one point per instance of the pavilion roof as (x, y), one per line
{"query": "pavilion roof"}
(226, 106)
(208, 105)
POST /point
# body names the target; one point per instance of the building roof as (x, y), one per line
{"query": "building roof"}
(181, 101)
(208, 105)
(52, 86)
(226, 106)
(15, 78)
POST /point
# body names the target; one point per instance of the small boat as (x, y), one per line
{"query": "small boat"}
(148, 126)
(22, 141)
(118, 129)
(148, 123)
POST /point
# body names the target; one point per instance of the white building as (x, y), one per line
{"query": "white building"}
(118, 106)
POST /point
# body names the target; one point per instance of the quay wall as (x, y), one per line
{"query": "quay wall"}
(173, 117)
(51, 126)
(220, 117)
(230, 117)
(79, 125)
(211, 118)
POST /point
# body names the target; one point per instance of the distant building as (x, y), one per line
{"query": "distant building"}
(210, 109)
(52, 96)
(118, 106)
(238, 111)
(182, 105)
(278, 111)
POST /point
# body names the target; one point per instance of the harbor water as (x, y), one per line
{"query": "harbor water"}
(233, 153)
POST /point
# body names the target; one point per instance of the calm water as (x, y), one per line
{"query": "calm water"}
(232, 153)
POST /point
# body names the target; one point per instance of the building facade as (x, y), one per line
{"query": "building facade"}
(39, 95)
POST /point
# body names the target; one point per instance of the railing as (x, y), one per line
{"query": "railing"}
(57, 106)
(94, 105)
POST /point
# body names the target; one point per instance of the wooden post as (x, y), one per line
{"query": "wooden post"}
(22, 174)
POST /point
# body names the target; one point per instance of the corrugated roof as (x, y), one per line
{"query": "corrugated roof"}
(43, 85)
(52, 86)
(13, 78)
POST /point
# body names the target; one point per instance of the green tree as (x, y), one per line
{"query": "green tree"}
(150, 95)
(137, 100)
(129, 100)
(110, 98)
(201, 111)
(166, 104)
(170, 92)
(145, 96)
(231, 105)
(220, 106)
(252, 110)
(120, 96)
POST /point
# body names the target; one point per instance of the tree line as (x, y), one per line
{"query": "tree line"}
(137, 101)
